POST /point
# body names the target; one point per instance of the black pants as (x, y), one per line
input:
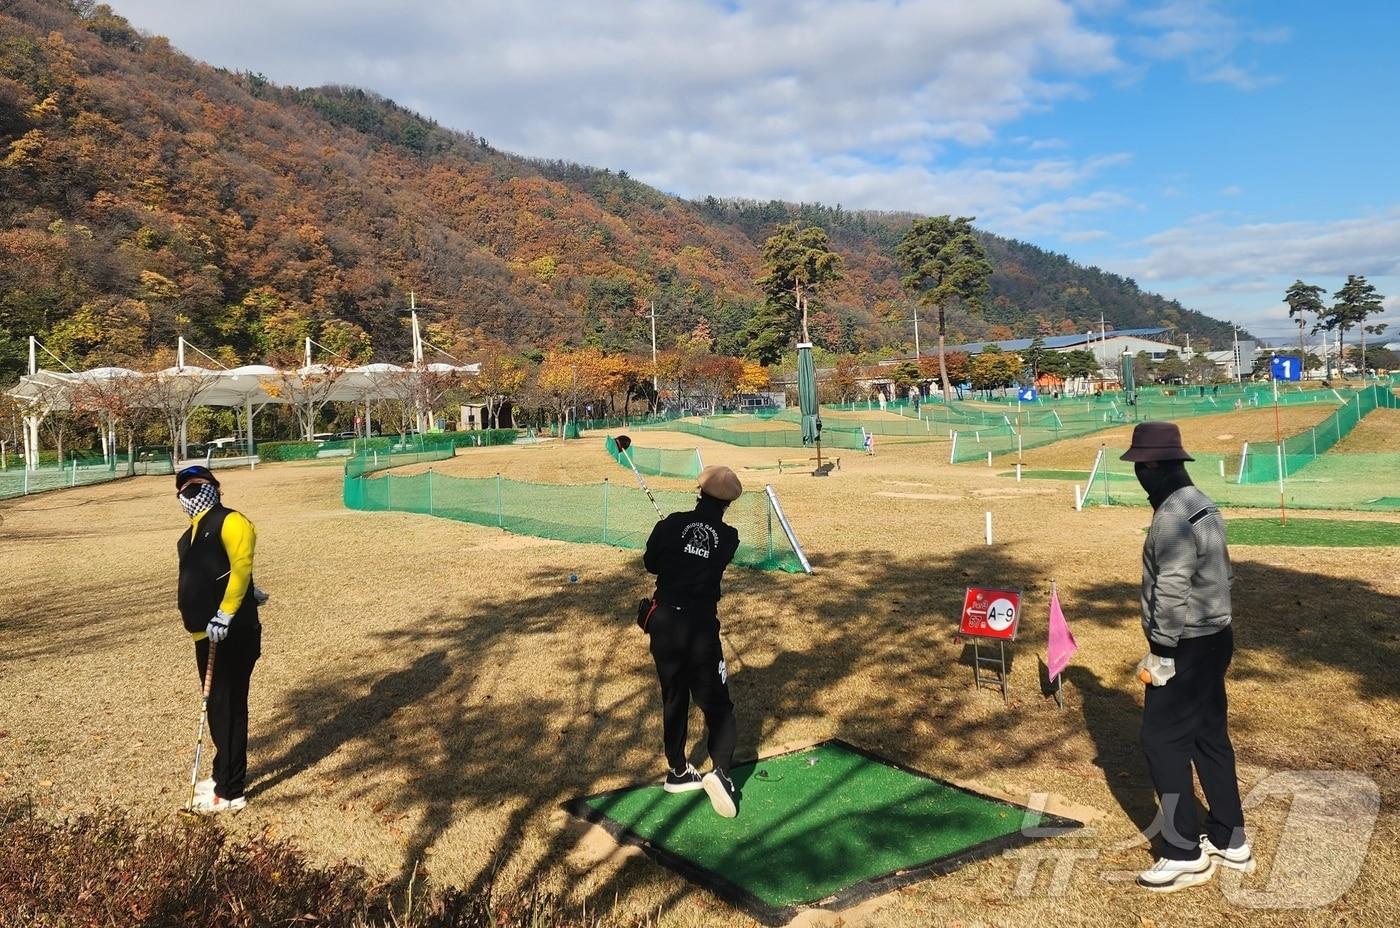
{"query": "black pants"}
(690, 662)
(234, 658)
(1184, 723)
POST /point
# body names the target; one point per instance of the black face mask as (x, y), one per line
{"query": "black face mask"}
(1162, 481)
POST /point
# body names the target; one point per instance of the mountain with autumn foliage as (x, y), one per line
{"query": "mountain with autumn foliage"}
(145, 195)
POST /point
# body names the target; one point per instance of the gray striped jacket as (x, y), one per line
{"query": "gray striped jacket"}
(1186, 572)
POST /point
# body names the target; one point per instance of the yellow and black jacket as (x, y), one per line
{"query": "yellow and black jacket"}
(216, 572)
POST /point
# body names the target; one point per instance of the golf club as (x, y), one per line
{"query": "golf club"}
(199, 730)
(623, 443)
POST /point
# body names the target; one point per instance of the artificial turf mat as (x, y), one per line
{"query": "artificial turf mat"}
(828, 824)
(1320, 533)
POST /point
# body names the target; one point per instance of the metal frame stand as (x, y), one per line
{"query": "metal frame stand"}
(998, 663)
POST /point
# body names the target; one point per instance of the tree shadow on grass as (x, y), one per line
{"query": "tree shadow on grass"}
(514, 705)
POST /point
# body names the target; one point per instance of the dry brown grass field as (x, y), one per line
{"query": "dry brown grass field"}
(1378, 432)
(431, 691)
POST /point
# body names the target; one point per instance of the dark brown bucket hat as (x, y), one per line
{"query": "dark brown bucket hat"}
(1156, 441)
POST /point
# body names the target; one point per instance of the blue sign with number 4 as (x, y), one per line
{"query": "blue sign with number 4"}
(1027, 395)
(1286, 369)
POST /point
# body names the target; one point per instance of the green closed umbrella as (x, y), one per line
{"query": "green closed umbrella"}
(1129, 388)
(807, 396)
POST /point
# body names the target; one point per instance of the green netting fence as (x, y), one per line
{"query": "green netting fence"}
(684, 463)
(1261, 462)
(1361, 482)
(606, 513)
(371, 460)
(81, 472)
(1038, 425)
(898, 425)
(740, 430)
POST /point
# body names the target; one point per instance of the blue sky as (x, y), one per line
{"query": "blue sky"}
(1213, 150)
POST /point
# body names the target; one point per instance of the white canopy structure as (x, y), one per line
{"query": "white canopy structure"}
(176, 391)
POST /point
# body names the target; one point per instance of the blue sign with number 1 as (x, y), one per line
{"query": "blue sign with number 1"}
(1286, 369)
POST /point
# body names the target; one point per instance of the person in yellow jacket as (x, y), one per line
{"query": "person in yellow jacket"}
(219, 606)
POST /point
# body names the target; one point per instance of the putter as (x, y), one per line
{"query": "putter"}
(199, 730)
(623, 443)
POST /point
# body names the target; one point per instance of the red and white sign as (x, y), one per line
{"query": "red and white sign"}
(991, 613)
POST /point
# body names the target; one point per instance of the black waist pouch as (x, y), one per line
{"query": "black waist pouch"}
(644, 610)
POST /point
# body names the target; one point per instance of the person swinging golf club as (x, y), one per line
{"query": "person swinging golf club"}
(1186, 577)
(688, 552)
(219, 606)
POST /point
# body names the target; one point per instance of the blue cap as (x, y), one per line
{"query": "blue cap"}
(187, 474)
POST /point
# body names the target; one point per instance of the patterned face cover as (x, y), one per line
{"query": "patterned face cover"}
(201, 501)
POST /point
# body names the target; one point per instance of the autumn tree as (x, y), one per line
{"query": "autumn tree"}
(845, 378)
(122, 400)
(501, 377)
(943, 264)
(992, 368)
(715, 378)
(798, 265)
(753, 378)
(904, 377)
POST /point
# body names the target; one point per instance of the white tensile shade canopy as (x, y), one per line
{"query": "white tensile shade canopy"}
(182, 388)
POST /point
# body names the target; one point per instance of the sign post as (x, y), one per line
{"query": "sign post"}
(1285, 369)
(995, 615)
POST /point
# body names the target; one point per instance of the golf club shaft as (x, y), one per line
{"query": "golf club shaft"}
(203, 717)
(645, 489)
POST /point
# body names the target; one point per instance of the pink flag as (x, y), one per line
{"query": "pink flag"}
(1061, 646)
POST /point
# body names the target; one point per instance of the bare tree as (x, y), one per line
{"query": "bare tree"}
(124, 401)
(173, 395)
(306, 390)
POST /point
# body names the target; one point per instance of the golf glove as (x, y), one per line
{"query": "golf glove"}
(1156, 671)
(218, 626)
(260, 596)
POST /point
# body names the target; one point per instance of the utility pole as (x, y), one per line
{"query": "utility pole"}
(417, 364)
(916, 333)
(655, 381)
(1236, 329)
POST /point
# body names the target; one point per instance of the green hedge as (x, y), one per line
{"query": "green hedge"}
(287, 450)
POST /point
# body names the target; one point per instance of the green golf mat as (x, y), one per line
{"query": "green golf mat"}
(829, 825)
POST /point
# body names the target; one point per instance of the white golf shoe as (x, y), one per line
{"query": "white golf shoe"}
(204, 788)
(1167, 875)
(210, 804)
(1236, 858)
(720, 789)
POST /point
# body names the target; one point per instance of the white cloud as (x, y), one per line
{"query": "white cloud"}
(856, 101)
(1207, 40)
(1233, 190)
(1240, 272)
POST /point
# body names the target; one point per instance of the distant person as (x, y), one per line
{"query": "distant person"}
(219, 605)
(1186, 578)
(688, 552)
(869, 443)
